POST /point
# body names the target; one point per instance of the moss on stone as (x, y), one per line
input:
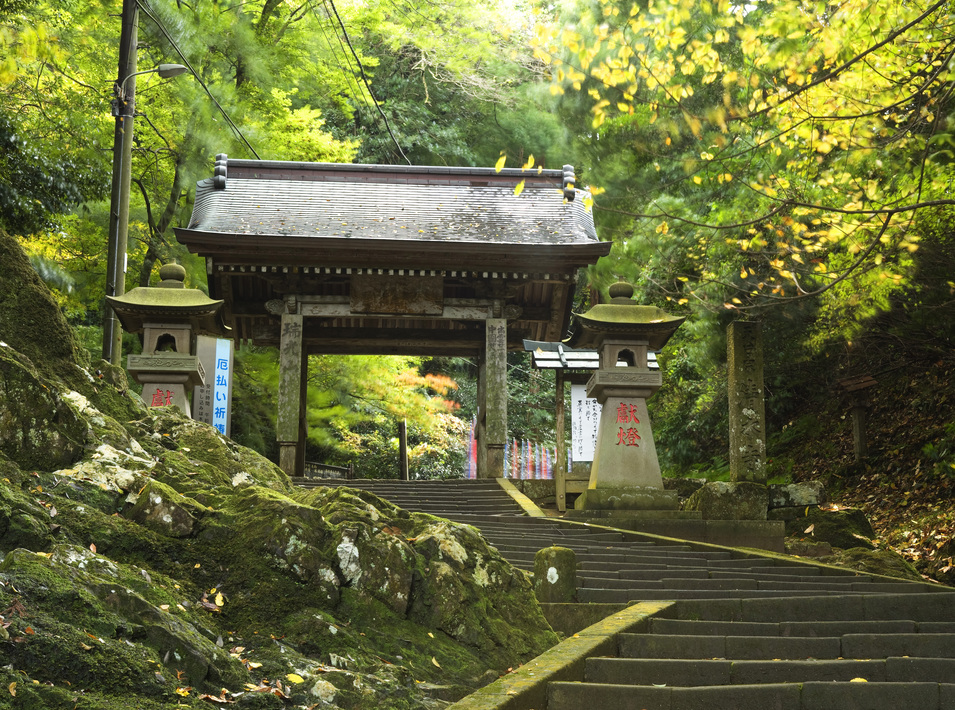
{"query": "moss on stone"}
(845, 528)
(144, 553)
(38, 429)
(884, 562)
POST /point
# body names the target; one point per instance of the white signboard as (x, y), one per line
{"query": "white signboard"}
(583, 422)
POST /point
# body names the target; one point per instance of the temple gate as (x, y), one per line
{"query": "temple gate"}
(374, 259)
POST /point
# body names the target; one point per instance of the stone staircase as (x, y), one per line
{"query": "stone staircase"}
(745, 630)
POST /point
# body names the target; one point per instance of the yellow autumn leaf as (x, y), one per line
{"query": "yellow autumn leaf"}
(519, 188)
(184, 692)
(858, 680)
(435, 661)
(431, 635)
(13, 688)
(294, 678)
(254, 664)
(529, 164)
(220, 600)
(499, 165)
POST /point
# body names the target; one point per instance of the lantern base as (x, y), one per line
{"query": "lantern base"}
(627, 498)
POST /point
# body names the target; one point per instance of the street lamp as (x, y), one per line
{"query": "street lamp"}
(124, 111)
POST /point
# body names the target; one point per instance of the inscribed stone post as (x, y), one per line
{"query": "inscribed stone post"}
(496, 396)
(291, 382)
(747, 411)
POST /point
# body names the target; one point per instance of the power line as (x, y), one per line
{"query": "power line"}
(349, 73)
(364, 79)
(145, 8)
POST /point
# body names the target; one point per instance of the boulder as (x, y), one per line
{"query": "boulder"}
(721, 500)
(684, 487)
(38, 429)
(845, 528)
(797, 495)
(163, 510)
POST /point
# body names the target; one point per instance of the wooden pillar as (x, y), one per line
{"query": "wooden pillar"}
(480, 428)
(403, 450)
(495, 357)
(560, 465)
(291, 414)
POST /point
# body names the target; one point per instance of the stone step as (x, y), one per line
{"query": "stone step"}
(597, 552)
(614, 561)
(626, 596)
(681, 583)
(528, 538)
(788, 628)
(777, 696)
(917, 605)
(696, 672)
(792, 647)
(752, 583)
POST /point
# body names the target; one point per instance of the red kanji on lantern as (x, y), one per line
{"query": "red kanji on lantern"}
(628, 437)
(161, 399)
(627, 413)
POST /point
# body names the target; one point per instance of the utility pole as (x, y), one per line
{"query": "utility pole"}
(123, 110)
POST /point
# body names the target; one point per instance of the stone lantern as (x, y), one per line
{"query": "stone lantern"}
(169, 316)
(625, 475)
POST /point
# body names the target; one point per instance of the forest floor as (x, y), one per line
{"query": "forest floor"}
(906, 482)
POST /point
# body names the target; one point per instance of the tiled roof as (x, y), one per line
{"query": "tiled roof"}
(317, 200)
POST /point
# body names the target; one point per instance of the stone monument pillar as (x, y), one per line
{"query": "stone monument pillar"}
(625, 474)
(747, 410)
(293, 374)
(170, 317)
(495, 397)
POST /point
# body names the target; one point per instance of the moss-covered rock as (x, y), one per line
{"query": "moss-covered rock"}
(721, 500)
(884, 562)
(23, 522)
(844, 528)
(38, 429)
(160, 508)
(148, 559)
(196, 457)
(30, 320)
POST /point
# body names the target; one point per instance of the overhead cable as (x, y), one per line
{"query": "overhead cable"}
(144, 6)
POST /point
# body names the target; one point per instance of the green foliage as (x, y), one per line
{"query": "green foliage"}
(39, 186)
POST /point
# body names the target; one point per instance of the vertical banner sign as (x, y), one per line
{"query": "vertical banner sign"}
(222, 411)
(212, 403)
(584, 418)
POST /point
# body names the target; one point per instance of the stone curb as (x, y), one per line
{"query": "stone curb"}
(526, 687)
(529, 507)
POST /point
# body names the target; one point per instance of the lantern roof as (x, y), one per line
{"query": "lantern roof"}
(623, 318)
(168, 302)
